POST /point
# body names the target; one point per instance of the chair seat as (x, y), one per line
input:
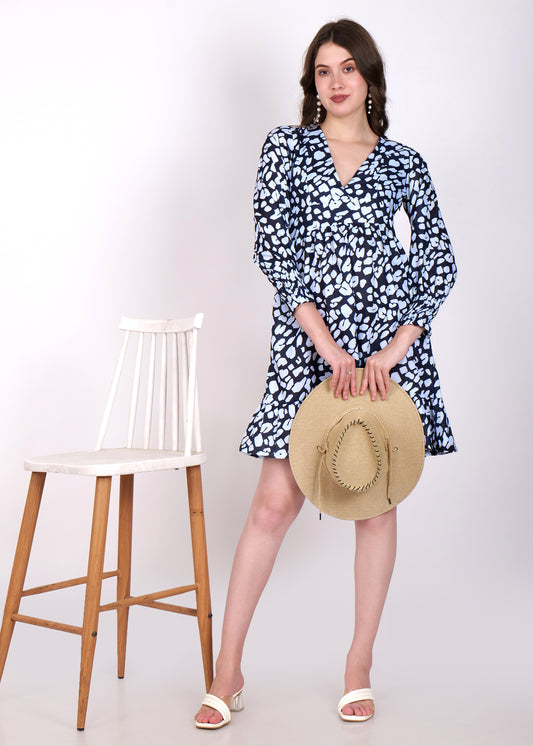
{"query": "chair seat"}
(109, 462)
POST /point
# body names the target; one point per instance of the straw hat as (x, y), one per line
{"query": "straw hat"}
(358, 458)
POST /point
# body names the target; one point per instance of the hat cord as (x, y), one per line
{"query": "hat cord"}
(377, 453)
(323, 451)
(388, 470)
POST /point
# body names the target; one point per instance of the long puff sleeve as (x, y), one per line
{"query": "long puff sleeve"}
(274, 250)
(432, 268)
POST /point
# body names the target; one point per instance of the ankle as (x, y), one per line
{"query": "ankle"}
(227, 666)
(357, 672)
(357, 659)
(227, 681)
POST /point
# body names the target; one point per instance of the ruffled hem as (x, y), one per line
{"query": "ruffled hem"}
(246, 447)
(269, 438)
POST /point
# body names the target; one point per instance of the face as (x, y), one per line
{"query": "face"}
(339, 84)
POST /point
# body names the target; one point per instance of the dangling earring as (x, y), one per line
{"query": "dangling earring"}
(318, 109)
(369, 103)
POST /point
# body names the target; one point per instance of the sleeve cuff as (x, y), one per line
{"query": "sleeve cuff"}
(296, 300)
(415, 318)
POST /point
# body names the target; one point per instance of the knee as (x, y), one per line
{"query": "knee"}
(379, 523)
(274, 512)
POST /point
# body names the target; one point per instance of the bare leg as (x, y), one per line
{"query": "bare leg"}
(277, 502)
(375, 552)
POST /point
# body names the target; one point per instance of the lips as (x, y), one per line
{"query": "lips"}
(338, 99)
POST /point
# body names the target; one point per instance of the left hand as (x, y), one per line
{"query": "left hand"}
(376, 375)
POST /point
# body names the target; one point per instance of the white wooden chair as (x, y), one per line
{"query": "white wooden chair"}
(167, 363)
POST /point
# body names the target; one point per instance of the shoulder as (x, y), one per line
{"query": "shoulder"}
(403, 156)
(291, 137)
(283, 147)
(285, 136)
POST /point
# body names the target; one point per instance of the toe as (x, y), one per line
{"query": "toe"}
(208, 715)
(360, 709)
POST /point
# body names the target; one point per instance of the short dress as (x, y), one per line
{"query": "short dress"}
(335, 246)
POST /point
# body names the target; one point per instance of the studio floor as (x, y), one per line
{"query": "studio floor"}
(290, 698)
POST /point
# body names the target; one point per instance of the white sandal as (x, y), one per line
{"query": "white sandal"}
(357, 695)
(218, 704)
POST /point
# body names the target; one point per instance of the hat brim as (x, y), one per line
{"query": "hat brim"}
(405, 441)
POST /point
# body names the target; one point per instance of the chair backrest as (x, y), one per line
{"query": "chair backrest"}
(164, 371)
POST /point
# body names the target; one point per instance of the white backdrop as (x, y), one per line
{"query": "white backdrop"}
(129, 139)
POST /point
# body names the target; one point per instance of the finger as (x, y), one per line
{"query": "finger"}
(372, 384)
(347, 384)
(386, 380)
(335, 379)
(342, 382)
(353, 380)
(381, 385)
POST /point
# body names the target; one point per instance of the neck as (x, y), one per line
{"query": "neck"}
(352, 128)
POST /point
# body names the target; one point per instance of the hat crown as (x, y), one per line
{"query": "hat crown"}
(356, 450)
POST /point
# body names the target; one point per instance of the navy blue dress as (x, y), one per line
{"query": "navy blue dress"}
(335, 245)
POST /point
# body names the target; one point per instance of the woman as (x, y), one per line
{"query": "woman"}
(347, 295)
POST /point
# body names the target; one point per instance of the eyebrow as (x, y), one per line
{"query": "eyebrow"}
(350, 59)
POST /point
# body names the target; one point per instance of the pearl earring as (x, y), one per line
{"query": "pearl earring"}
(369, 103)
(318, 109)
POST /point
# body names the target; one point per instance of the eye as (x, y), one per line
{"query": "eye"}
(321, 73)
(349, 68)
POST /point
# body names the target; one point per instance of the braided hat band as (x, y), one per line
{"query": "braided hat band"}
(355, 450)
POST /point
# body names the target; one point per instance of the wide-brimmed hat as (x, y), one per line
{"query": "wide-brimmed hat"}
(357, 458)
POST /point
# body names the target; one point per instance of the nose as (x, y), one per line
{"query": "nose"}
(336, 80)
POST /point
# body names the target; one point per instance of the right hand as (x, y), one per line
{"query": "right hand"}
(343, 381)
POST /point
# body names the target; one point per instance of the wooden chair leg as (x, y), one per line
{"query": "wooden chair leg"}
(93, 592)
(125, 525)
(20, 564)
(201, 570)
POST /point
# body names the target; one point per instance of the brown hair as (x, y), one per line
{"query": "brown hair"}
(361, 45)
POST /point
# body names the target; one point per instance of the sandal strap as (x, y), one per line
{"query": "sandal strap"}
(356, 695)
(219, 705)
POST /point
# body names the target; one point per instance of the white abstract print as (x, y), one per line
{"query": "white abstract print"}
(335, 245)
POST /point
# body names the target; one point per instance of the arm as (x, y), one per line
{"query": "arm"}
(431, 276)
(274, 250)
(376, 376)
(274, 254)
(342, 364)
(432, 269)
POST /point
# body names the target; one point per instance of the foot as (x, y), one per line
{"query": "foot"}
(223, 687)
(358, 677)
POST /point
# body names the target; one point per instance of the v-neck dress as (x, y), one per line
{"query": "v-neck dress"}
(335, 246)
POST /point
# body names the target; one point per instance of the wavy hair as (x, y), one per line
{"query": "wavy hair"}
(356, 39)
